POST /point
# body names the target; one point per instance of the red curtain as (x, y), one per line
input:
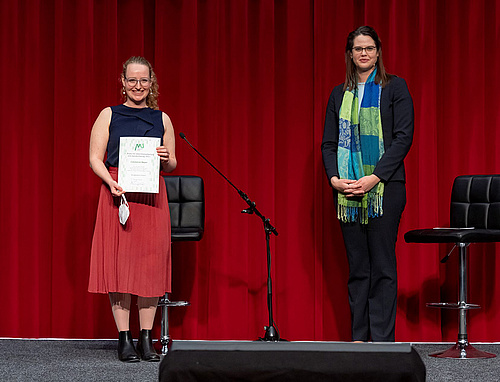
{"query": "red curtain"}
(247, 81)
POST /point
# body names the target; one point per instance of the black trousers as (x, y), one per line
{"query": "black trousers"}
(372, 285)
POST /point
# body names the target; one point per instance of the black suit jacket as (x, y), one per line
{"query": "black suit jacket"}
(396, 109)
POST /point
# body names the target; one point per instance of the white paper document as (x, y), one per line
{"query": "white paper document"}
(139, 164)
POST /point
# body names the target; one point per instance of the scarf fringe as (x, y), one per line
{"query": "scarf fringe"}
(375, 205)
(350, 214)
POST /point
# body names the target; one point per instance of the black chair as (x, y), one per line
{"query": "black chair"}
(474, 218)
(186, 200)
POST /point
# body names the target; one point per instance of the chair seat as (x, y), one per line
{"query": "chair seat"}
(452, 235)
(186, 233)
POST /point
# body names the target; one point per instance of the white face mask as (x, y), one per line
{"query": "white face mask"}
(123, 211)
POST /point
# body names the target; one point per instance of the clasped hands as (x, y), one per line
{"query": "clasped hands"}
(353, 188)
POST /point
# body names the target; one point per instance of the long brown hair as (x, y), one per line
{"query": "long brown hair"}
(152, 97)
(351, 75)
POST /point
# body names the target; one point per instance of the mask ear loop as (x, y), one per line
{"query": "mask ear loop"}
(124, 200)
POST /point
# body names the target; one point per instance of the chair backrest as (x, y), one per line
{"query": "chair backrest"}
(186, 200)
(475, 202)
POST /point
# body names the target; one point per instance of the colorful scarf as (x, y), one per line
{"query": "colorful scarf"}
(361, 145)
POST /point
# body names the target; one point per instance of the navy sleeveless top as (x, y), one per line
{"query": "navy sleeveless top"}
(131, 122)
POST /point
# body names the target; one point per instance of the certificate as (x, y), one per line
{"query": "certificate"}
(139, 164)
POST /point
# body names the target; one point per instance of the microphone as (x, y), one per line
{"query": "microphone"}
(182, 135)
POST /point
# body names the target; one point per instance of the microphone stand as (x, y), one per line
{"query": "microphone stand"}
(271, 333)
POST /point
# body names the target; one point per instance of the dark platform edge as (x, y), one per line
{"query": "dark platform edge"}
(379, 347)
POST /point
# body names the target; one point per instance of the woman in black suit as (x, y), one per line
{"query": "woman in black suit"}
(368, 132)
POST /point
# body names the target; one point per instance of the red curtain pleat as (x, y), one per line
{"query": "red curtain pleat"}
(247, 82)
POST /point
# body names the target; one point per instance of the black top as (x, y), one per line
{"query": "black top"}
(131, 122)
(396, 109)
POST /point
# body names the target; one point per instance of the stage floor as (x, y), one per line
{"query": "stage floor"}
(96, 360)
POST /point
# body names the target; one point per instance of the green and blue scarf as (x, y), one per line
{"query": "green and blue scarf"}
(361, 145)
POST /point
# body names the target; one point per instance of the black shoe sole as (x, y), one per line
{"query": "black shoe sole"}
(130, 360)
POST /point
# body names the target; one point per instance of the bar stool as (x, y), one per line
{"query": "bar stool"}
(474, 218)
(186, 200)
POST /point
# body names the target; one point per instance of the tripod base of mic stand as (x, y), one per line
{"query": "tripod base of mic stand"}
(271, 335)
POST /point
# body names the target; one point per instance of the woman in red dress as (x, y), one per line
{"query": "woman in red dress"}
(133, 258)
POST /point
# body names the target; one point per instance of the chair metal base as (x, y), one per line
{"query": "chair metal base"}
(462, 350)
(165, 339)
(450, 305)
(163, 345)
(174, 303)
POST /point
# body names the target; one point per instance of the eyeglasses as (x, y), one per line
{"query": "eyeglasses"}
(367, 49)
(145, 82)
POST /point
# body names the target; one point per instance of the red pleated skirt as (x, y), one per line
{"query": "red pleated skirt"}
(134, 258)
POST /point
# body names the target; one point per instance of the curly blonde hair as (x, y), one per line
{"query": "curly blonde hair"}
(152, 97)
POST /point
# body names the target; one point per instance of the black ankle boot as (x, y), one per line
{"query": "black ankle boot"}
(145, 347)
(126, 349)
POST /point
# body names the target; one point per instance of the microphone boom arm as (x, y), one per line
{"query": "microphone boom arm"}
(252, 209)
(271, 333)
